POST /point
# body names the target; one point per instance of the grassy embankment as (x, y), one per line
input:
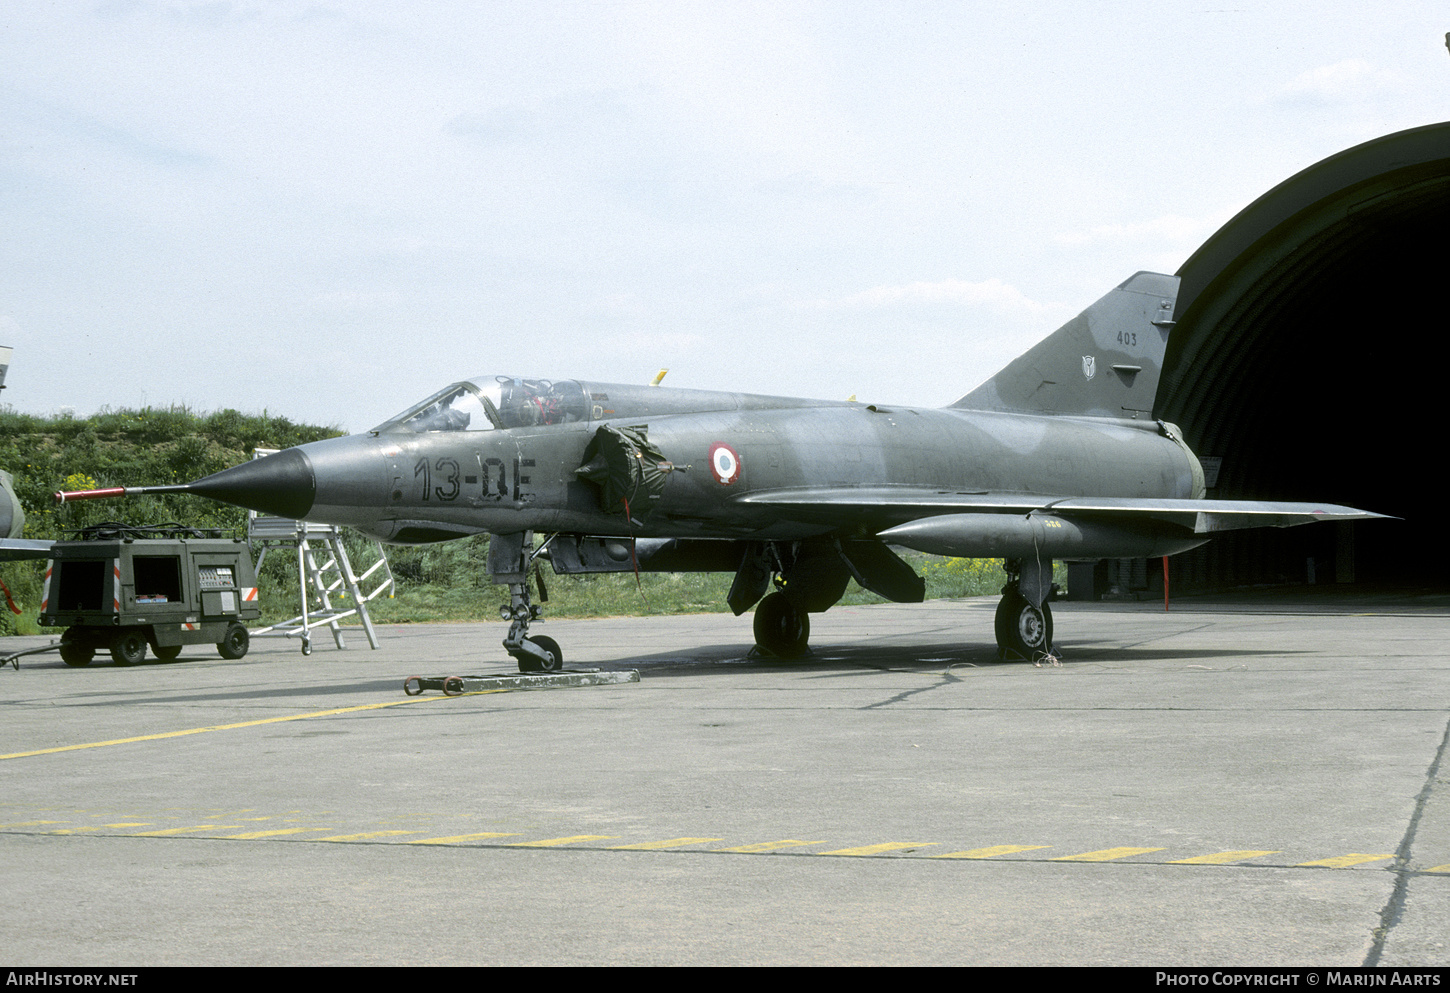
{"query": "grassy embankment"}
(444, 582)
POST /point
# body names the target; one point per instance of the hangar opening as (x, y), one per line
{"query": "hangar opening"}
(1309, 359)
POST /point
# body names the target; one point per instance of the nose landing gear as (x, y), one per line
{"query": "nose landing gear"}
(510, 557)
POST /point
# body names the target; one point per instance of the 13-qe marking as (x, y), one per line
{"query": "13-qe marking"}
(451, 467)
(494, 469)
(493, 481)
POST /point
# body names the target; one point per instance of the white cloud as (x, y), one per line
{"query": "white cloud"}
(991, 293)
(1349, 81)
(1172, 228)
(356, 299)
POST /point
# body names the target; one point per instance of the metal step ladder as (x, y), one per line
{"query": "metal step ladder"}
(324, 574)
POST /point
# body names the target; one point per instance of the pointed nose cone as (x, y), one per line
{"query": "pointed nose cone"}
(282, 484)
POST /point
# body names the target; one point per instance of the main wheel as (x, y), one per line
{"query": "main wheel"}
(128, 647)
(781, 628)
(1023, 631)
(235, 642)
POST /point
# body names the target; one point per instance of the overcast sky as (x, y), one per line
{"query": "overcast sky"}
(329, 209)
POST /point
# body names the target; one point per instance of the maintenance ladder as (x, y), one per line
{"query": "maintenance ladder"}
(318, 584)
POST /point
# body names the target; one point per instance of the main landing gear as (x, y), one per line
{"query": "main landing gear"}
(1024, 618)
(781, 628)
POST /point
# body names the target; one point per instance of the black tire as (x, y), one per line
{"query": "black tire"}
(75, 648)
(781, 629)
(527, 663)
(77, 655)
(166, 653)
(1023, 631)
(234, 643)
(128, 647)
(552, 647)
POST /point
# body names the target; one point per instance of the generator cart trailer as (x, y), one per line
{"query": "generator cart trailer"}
(123, 588)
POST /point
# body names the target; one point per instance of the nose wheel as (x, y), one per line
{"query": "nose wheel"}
(510, 559)
(548, 647)
(539, 653)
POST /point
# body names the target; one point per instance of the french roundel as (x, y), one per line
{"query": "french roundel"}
(724, 463)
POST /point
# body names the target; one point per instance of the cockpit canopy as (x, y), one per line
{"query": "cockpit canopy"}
(488, 402)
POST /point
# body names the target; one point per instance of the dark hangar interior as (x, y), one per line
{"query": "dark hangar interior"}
(1310, 358)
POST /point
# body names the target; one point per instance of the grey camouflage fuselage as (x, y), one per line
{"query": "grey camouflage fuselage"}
(1057, 456)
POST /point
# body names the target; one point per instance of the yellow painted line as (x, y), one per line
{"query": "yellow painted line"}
(185, 830)
(464, 837)
(31, 823)
(552, 842)
(73, 830)
(129, 824)
(369, 834)
(1221, 858)
(249, 835)
(1105, 855)
(246, 724)
(987, 853)
(885, 846)
(1345, 861)
(768, 846)
(1440, 868)
(650, 846)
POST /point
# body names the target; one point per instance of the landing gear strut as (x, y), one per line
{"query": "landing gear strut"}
(1024, 618)
(510, 557)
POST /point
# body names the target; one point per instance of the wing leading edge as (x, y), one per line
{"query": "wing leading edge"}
(991, 525)
(15, 549)
(1201, 516)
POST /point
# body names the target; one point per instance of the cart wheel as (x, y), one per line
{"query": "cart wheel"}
(234, 643)
(74, 649)
(166, 652)
(76, 654)
(128, 647)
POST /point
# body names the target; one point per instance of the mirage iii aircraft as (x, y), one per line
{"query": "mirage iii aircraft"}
(12, 515)
(1058, 456)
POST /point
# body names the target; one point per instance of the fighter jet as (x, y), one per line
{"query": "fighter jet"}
(12, 515)
(1058, 456)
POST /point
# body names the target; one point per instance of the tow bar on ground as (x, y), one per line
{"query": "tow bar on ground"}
(458, 685)
(14, 658)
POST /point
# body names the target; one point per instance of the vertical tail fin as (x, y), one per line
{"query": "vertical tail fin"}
(1105, 362)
